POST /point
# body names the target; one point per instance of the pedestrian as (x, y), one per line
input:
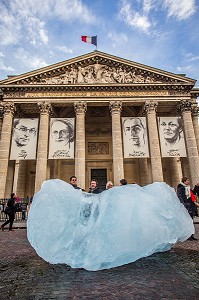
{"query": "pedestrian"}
(73, 182)
(184, 195)
(196, 192)
(94, 188)
(10, 211)
(109, 185)
(17, 204)
(123, 182)
(29, 204)
(23, 211)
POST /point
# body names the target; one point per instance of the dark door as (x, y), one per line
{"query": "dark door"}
(101, 176)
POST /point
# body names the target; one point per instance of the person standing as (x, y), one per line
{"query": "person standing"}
(94, 188)
(109, 185)
(23, 211)
(184, 195)
(10, 211)
(123, 181)
(73, 182)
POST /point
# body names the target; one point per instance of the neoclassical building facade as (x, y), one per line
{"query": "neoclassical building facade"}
(97, 91)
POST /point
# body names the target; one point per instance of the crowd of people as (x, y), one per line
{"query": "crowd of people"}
(186, 195)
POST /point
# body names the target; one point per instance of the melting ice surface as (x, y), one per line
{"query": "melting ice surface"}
(110, 229)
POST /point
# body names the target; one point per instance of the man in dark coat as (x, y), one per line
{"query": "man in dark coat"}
(184, 195)
(10, 211)
(94, 188)
(196, 189)
(73, 182)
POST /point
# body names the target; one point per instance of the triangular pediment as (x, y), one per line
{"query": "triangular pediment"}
(97, 68)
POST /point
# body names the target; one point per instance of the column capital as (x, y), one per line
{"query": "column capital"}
(7, 107)
(45, 107)
(185, 105)
(115, 107)
(195, 110)
(150, 106)
(80, 107)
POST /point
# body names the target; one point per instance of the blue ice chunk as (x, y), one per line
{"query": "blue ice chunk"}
(116, 227)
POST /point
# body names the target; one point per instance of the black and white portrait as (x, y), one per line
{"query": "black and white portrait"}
(135, 137)
(61, 138)
(171, 136)
(24, 139)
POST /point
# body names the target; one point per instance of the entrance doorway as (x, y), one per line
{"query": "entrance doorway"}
(101, 176)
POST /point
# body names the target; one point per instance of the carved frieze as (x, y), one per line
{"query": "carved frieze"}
(98, 148)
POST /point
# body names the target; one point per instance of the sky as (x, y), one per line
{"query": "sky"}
(162, 34)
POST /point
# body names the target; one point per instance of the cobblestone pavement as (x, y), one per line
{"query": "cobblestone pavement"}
(169, 275)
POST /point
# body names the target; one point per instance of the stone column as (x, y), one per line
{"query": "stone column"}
(42, 149)
(16, 173)
(154, 146)
(118, 166)
(20, 178)
(80, 149)
(195, 110)
(192, 150)
(8, 108)
(145, 174)
(175, 170)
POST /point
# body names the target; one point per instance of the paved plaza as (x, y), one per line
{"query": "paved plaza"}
(25, 276)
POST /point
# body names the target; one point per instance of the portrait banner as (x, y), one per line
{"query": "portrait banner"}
(24, 139)
(135, 138)
(61, 141)
(171, 137)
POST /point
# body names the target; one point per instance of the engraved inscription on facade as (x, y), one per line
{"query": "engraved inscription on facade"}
(97, 148)
(14, 95)
(95, 94)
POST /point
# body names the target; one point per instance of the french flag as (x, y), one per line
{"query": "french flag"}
(89, 39)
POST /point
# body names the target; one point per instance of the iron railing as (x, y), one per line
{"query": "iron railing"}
(22, 208)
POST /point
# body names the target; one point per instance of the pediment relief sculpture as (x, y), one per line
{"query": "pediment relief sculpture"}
(98, 69)
(98, 73)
